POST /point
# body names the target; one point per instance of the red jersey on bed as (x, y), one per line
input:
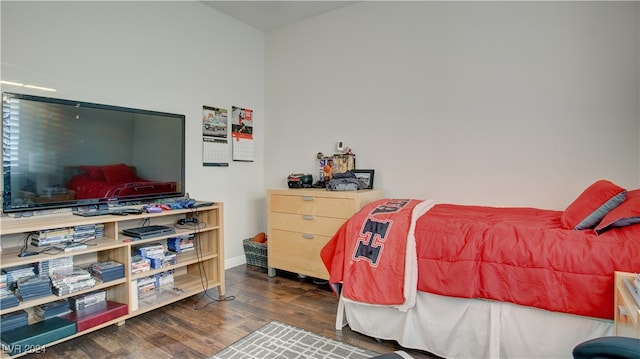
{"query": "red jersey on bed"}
(361, 249)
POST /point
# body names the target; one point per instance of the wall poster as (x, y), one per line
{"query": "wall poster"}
(242, 134)
(215, 149)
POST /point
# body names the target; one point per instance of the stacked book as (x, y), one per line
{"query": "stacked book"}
(47, 267)
(13, 320)
(180, 244)
(33, 287)
(49, 237)
(85, 300)
(51, 309)
(107, 271)
(71, 280)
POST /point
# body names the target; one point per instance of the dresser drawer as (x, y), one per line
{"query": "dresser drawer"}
(305, 223)
(298, 252)
(319, 206)
(301, 221)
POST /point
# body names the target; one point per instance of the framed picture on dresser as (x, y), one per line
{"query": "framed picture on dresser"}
(366, 176)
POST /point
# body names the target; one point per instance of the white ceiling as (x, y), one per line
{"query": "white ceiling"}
(270, 15)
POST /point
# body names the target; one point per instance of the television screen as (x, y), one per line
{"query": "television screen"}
(60, 153)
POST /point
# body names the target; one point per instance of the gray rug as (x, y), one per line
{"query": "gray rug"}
(279, 340)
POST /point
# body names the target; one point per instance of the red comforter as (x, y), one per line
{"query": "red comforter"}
(517, 255)
(86, 188)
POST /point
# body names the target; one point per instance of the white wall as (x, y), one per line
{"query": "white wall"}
(496, 103)
(501, 103)
(163, 56)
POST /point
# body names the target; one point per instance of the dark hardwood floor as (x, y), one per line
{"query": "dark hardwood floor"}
(199, 327)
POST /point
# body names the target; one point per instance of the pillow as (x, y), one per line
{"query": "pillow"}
(119, 173)
(94, 172)
(626, 214)
(592, 205)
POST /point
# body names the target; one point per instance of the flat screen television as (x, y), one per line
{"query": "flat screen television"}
(60, 153)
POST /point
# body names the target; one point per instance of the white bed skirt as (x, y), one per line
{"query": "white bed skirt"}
(474, 328)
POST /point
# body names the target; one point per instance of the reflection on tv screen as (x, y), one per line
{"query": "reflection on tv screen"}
(62, 153)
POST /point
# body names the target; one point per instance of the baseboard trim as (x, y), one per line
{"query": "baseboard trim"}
(234, 262)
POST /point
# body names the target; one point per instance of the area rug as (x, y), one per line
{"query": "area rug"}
(279, 340)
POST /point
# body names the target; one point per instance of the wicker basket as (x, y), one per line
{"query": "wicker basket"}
(255, 252)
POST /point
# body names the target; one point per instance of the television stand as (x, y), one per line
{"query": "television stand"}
(194, 271)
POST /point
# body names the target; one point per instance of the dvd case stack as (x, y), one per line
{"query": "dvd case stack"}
(146, 286)
(180, 244)
(71, 280)
(99, 230)
(3, 281)
(85, 300)
(139, 264)
(153, 249)
(17, 272)
(47, 267)
(107, 271)
(84, 232)
(78, 233)
(157, 255)
(33, 287)
(164, 278)
(8, 299)
(163, 260)
(49, 237)
(51, 309)
(13, 320)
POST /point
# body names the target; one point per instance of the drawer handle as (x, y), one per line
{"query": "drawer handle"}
(622, 311)
(307, 236)
(307, 198)
(308, 217)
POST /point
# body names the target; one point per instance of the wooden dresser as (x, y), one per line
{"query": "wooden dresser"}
(301, 221)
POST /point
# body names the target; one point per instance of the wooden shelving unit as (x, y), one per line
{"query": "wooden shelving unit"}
(196, 271)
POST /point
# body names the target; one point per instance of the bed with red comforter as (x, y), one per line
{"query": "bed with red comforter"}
(114, 181)
(556, 261)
